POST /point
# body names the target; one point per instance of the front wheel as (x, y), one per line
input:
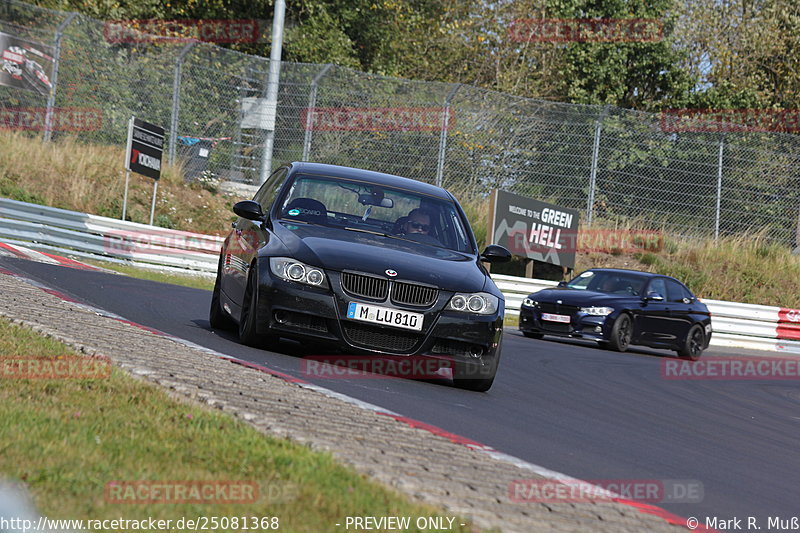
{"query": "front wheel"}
(474, 376)
(472, 381)
(693, 344)
(248, 321)
(621, 333)
(217, 316)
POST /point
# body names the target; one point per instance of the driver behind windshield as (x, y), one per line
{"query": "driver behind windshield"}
(419, 221)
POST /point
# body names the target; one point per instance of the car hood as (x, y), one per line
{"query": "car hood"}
(577, 297)
(339, 249)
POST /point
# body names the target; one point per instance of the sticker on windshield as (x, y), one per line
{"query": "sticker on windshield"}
(293, 212)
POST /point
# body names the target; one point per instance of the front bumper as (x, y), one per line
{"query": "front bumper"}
(581, 325)
(302, 312)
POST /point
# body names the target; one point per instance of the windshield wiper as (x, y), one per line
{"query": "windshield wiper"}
(372, 232)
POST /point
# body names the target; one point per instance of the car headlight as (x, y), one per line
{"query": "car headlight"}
(598, 311)
(479, 303)
(527, 302)
(294, 270)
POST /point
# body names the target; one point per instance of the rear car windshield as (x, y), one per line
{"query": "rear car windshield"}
(620, 283)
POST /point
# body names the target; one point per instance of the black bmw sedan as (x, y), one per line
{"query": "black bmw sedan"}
(372, 263)
(617, 308)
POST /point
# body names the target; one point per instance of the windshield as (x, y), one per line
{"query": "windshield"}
(609, 282)
(355, 205)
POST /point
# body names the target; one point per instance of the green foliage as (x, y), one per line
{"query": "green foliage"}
(732, 54)
(9, 188)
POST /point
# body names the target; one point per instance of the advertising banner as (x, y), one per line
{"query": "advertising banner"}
(535, 230)
(145, 148)
(25, 64)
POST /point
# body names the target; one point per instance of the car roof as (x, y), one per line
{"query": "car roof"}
(380, 178)
(628, 271)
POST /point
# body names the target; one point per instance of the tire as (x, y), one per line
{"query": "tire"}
(470, 382)
(532, 335)
(621, 333)
(248, 321)
(693, 344)
(468, 377)
(217, 316)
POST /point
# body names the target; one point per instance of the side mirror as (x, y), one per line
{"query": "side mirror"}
(495, 253)
(653, 296)
(250, 210)
(562, 284)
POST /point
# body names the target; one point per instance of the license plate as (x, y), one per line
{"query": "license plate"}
(385, 316)
(555, 318)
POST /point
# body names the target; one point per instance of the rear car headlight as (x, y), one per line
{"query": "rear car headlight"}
(598, 311)
(527, 302)
(297, 271)
(479, 303)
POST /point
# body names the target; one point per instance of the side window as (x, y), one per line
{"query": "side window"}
(266, 194)
(677, 292)
(657, 285)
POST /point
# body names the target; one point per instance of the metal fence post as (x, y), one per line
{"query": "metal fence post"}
(51, 98)
(176, 100)
(312, 103)
(443, 134)
(719, 186)
(273, 82)
(598, 126)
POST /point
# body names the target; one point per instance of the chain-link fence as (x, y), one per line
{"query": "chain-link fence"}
(611, 163)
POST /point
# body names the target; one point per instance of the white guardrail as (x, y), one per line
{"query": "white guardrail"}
(751, 326)
(92, 236)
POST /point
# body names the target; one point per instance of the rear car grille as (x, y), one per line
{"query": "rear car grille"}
(558, 309)
(379, 338)
(411, 294)
(555, 327)
(365, 286)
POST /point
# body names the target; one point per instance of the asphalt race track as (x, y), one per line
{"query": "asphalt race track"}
(565, 405)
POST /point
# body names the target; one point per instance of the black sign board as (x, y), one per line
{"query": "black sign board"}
(533, 229)
(145, 148)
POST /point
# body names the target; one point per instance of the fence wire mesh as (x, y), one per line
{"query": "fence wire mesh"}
(610, 163)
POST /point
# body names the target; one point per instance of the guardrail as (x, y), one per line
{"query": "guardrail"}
(84, 235)
(736, 325)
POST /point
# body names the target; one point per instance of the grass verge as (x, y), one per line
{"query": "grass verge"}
(89, 178)
(188, 280)
(66, 439)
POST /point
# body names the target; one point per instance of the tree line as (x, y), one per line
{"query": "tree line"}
(720, 54)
